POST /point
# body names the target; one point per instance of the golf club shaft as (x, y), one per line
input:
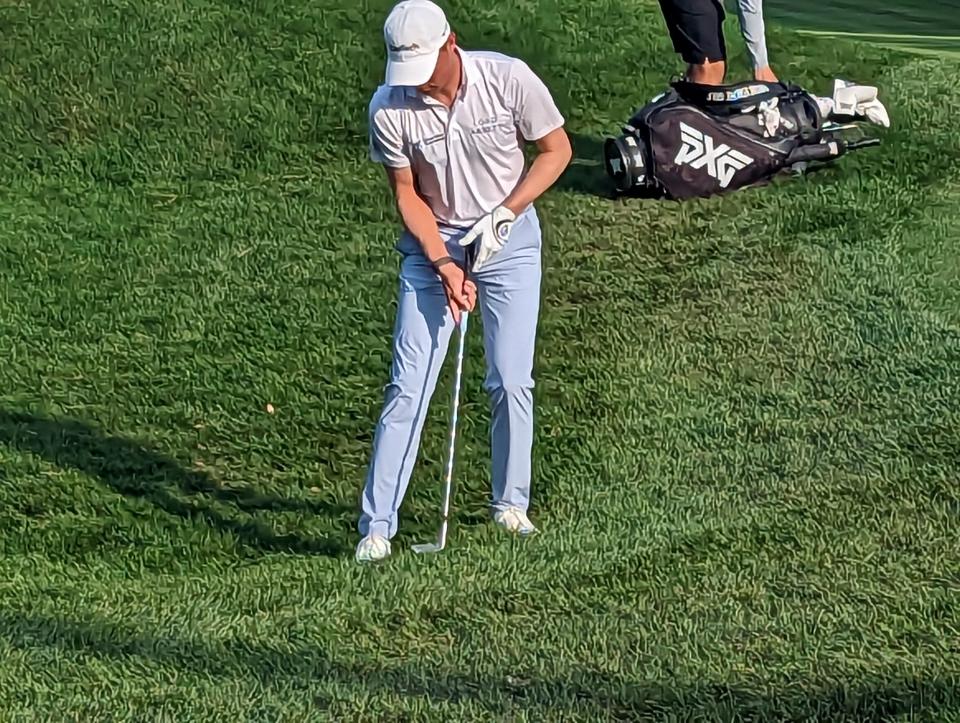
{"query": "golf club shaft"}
(464, 315)
(863, 143)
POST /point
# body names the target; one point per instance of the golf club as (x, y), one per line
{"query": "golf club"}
(442, 537)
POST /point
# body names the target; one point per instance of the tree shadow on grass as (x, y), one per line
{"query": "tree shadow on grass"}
(135, 471)
(591, 692)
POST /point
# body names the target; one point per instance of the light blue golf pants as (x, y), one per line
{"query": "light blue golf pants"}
(508, 299)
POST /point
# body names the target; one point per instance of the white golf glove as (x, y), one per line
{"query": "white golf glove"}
(491, 233)
(768, 115)
(859, 100)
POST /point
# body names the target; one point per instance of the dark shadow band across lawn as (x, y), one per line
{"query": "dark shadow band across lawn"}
(592, 692)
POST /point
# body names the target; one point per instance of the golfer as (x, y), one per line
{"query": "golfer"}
(696, 29)
(449, 124)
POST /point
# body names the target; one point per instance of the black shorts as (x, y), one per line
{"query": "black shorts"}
(696, 29)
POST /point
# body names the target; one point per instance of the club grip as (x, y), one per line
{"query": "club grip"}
(817, 152)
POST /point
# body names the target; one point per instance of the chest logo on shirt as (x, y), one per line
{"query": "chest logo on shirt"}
(485, 125)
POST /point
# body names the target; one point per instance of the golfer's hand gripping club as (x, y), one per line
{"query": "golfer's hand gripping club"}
(490, 234)
(460, 291)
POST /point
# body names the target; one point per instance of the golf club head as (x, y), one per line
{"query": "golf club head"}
(428, 547)
(434, 546)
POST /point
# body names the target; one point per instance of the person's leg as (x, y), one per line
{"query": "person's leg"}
(421, 336)
(708, 63)
(696, 29)
(673, 17)
(509, 300)
(707, 73)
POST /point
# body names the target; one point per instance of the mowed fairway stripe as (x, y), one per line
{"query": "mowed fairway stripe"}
(933, 46)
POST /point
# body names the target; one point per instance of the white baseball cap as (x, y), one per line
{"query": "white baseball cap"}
(414, 32)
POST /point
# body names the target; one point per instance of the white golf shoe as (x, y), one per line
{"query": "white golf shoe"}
(862, 100)
(373, 548)
(514, 520)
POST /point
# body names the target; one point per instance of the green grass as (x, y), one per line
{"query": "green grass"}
(748, 436)
(920, 26)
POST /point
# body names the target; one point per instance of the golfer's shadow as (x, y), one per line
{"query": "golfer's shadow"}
(135, 471)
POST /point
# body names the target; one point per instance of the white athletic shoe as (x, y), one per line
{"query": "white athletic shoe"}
(373, 548)
(852, 99)
(514, 520)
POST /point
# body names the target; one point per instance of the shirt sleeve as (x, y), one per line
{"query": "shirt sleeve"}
(534, 110)
(386, 140)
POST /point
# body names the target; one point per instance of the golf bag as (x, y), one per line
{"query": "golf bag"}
(698, 140)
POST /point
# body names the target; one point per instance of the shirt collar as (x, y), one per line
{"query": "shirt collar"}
(468, 74)
(468, 70)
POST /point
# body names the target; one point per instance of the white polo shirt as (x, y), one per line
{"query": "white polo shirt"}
(466, 160)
